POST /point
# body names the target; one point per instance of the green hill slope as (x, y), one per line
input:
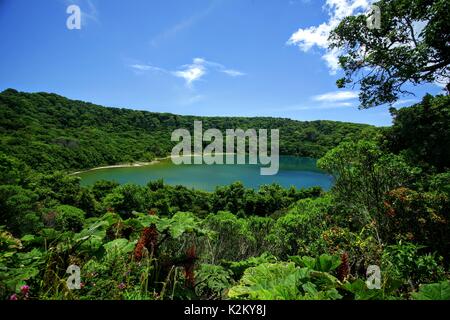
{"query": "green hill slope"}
(50, 132)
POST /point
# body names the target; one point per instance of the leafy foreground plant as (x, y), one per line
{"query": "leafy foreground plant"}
(389, 207)
(433, 291)
(307, 278)
(285, 281)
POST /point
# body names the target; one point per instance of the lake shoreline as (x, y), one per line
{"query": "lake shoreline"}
(123, 165)
(300, 172)
(133, 164)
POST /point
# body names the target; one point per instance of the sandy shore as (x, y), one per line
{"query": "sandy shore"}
(123, 165)
(134, 164)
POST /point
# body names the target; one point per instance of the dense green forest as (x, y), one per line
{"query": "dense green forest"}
(389, 207)
(49, 132)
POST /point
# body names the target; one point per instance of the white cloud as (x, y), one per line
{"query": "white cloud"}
(337, 105)
(219, 67)
(310, 37)
(190, 72)
(146, 67)
(317, 36)
(332, 59)
(199, 61)
(402, 103)
(336, 96)
(322, 106)
(233, 73)
(140, 67)
(199, 68)
(343, 104)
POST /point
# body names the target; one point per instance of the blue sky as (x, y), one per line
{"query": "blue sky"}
(200, 57)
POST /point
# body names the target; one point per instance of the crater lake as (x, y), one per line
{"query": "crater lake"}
(293, 171)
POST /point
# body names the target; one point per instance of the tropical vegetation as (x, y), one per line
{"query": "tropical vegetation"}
(389, 207)
(381, 232)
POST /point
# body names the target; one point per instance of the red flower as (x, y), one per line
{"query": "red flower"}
(148, 240)
(344, 268)
(189, 265)
(25, 289)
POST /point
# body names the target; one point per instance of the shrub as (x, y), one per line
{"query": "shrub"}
(363, 175)
(300, 230)
(404, 261)
(422, 217)
(232, 241)
(441, 183)
(238, 267)
(127, 198)
(212, 281)
(284, 281)
(18, 210)
(69, 218)
(102, 188)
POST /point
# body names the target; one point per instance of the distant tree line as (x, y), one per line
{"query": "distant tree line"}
(49, 132)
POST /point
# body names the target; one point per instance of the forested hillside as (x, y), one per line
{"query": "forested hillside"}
(389, 207)
(381, 232)
(49, 132)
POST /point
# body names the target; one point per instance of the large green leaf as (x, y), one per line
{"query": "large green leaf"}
(119, 246)
(361, 292)
(324, 263)
(182, 222)
(176, 226)
(270, 281)
(433, 291)
(327, 263)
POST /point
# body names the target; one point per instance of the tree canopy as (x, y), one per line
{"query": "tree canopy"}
(389, 207)
(49, 132)
(410, 47)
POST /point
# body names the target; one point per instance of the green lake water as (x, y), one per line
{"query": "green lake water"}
(294, 171)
